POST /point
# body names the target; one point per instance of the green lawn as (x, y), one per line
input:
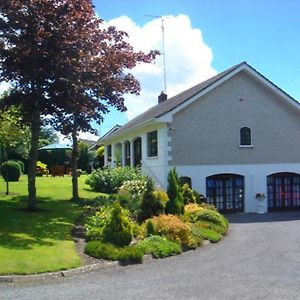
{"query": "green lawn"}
(41, 241)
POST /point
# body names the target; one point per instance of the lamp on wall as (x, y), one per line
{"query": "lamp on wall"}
(171, 129)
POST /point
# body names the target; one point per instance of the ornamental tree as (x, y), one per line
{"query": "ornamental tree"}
(65, 63)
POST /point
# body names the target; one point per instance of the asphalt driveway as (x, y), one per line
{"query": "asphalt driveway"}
(259, 259)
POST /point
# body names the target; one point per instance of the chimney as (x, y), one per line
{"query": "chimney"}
(162, 97)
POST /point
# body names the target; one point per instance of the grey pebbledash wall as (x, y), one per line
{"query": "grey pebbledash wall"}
(207, 132)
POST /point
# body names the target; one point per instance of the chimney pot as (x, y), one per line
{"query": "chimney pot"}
(162, 97)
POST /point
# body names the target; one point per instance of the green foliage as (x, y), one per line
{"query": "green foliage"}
(118, 230)
(95, 223)
(22, 165)
(41, 169)
(199, 197)
(14, 137)
(110, 252)
(131, 255)
(109, 180)
(10, 171)
(211, 235)
(151, 204)
(84, 157)
(100, 250)
(211, 216)
(188, 194)
(150, 229)
(175, 204)
(99, 157)
(159, 246)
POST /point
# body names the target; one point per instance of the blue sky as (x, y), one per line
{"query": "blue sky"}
(266, 34)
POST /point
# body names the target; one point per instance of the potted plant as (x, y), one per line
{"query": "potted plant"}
(261, 206)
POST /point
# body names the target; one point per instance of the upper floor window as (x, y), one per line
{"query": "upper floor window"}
(245, 136)
(152, 143)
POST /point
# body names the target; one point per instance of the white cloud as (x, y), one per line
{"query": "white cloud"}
(188, 58)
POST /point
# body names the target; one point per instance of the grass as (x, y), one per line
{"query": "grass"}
(41, 241)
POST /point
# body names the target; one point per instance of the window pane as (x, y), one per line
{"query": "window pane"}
(152, 143)
(245, 136)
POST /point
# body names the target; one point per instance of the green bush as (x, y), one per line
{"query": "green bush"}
(188, 194)
(200, 231)
(109, 180)
(118, 230)
(110, 252)
(10, 171)
(159, 246)
(96, 222)
(100, 250)
(131, 255)
(212, 216)
(22, 165)
(151, 203)
(199, 197)
(175, 204)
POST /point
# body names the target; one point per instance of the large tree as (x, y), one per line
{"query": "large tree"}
(63, 62)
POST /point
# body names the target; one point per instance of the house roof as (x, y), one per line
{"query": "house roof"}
(167, 106)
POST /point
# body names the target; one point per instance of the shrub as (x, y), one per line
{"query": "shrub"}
(131, 255)
(190, 212)
(41, 169)
(109, 180)
(175, 204)
(10, 171)
(212, 216)
(151, 203)
(100, 250)
(159, 246)
(22, 165)
(95, 224)
(135, 188)
(110, 252)
(210, 235)
(118, 230)
(199, 198)
(172, 228)
(188, 194)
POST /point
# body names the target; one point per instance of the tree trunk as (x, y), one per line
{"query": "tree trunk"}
(75, 154)
(33, 156)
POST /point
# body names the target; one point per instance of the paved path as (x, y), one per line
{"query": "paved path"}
(259, 259)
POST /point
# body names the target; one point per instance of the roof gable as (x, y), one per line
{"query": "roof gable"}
(163, 111)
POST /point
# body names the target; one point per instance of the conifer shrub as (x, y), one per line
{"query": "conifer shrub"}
(10, 171)
(96, 222)
(188, 194)
(101, 250)
(118, 230)
(131, 255)
(175, 204)
(152, 204)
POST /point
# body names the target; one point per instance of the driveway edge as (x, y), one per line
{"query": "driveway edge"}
(58, 274)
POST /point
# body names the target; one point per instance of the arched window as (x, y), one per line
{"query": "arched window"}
(245, 136)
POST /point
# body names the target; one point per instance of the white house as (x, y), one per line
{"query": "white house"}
(234, 135)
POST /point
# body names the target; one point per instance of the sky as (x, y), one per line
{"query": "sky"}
(203, 38)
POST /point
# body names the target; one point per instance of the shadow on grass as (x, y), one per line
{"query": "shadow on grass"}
(21, 229)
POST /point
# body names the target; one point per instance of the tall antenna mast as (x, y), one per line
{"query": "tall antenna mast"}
(163, 48)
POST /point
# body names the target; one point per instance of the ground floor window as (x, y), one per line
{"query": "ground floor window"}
(283, 191)
(226, 192)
